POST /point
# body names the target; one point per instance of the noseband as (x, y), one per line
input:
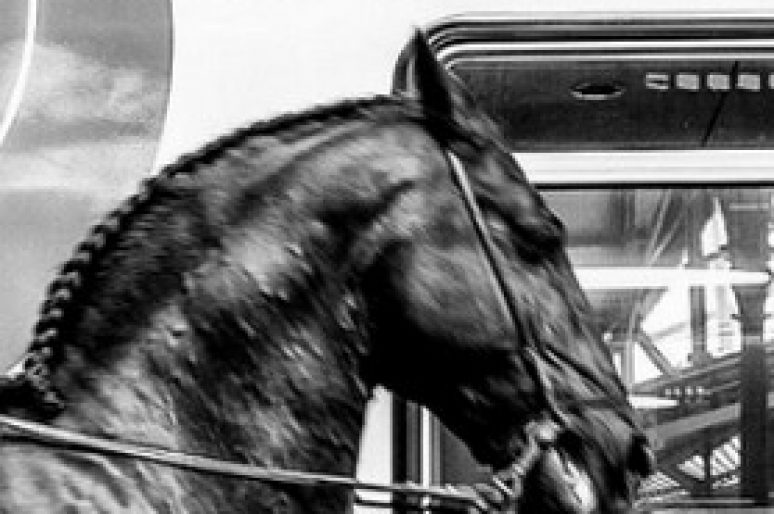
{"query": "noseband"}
(539, 435)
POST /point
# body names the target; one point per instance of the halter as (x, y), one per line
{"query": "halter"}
(539, 435)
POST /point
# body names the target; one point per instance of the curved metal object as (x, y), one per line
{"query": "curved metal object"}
(17, 93)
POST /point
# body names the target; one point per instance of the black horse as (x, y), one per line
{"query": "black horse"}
(247, 300)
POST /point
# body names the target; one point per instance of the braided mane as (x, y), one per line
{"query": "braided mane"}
(32, 387)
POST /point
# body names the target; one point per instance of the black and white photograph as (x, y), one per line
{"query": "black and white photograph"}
(399, 257)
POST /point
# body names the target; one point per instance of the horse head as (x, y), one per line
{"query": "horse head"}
(444, 338)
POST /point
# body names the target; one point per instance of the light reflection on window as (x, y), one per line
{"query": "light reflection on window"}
(661, 268)
(85, 130)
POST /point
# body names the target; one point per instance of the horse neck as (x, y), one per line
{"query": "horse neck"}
(262, 377)
(259, 357)
(282, 397)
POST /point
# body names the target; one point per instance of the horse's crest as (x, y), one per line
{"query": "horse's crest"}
(244, 303)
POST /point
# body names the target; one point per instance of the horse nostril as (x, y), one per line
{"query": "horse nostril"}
(642, 458)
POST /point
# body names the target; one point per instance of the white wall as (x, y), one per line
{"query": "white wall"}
(242, 60)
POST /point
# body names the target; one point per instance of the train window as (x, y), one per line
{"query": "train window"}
(83, 91)
(652, 140)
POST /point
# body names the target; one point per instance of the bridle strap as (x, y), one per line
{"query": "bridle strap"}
(539, 435)
(505, 296)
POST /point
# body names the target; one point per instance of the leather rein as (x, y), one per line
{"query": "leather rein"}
(539, 435)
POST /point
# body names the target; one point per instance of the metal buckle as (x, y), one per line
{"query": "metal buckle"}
(539, 436)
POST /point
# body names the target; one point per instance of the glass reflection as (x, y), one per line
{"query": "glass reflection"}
(680, 285)
(84, 131)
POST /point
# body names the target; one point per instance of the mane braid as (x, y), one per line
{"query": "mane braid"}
(32, 387)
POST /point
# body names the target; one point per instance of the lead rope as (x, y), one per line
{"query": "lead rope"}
(25, 430)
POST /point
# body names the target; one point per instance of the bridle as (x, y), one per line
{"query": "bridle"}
(539, 435)
(507, 300)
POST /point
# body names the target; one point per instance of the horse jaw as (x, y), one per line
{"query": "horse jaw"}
(574, 485)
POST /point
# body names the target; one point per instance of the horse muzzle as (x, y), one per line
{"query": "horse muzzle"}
(571, 482)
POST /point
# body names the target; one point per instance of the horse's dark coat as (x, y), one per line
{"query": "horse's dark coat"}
(245, 304)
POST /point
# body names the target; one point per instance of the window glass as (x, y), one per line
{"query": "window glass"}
(633, 104)
(82, 130)
(678, 281)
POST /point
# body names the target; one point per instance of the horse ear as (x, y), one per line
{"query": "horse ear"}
(420, 76)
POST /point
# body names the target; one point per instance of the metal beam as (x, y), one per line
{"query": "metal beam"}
(687, 482)
(656, 357)
(689, 425)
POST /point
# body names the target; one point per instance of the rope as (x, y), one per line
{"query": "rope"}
(56, 437)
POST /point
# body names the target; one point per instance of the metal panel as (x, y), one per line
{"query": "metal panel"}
(619, 83)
